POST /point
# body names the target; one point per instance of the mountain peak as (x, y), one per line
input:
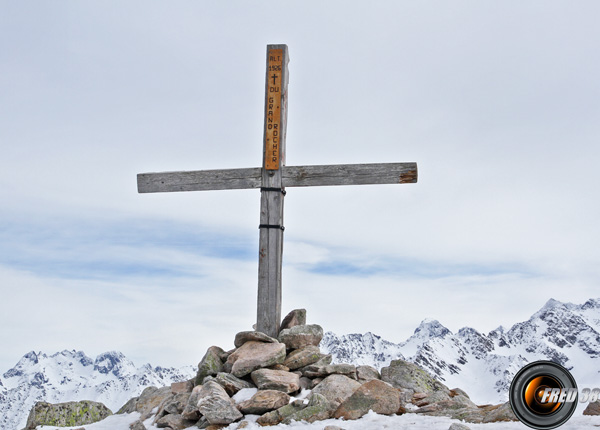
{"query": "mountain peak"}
(431, 328)
(552, 303)
(113, 362)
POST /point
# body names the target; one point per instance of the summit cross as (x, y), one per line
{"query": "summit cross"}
(272, 179)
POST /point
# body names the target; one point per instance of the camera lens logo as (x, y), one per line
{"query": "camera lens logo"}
(543, 395)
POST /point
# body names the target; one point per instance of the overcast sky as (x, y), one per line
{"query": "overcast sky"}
(497, 102)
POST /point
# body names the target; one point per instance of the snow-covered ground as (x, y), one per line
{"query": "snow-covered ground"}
(370, 421)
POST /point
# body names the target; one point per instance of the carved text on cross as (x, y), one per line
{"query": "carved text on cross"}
(272, 179)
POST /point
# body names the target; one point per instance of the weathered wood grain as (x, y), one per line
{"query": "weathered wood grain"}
(350, 174)
(199, 180)
(271, 206)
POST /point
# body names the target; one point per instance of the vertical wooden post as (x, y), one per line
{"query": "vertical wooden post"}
(272, 192)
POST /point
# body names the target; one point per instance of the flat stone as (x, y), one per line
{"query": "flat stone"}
(210, 364)
(231, 383)
(374, 395)
(366, 374)
(278, 415)
(255, 355)
(174, 421)
(301, 335)
(246, 336)
(264, 401)
(461, 408)
(216, 406)
(315, 371)
(294, 318)
(182, 387)
(303, 357)
(267, 379)
(318, 409)
(279, 367)
(336, 389)
(325, 360)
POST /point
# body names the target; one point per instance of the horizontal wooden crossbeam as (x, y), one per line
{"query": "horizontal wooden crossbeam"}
(349, 174)
(199, 180)
(292, 176)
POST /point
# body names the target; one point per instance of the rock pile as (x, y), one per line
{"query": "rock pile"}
(277, 369)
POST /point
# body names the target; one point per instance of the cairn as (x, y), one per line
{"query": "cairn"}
(289, 379)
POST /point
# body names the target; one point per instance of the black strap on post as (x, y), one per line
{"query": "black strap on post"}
(280, 190)
(272, 226)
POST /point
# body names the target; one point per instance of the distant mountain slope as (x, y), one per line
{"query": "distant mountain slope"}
(481, 364)
(71, 375)
(484, 364)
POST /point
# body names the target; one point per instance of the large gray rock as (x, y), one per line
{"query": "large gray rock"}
(336, 389)
(174, 422)
(216, 406)
(318, 409)
(366, 374)
(246, 336)
(315, 371)
(191, 412)
(150, 398)
(67, 414)
(280, 380)
(210, 365)
(301, 335)
(302, 357)
(255, 355)
(374, 395)
(294, 318)
(278, 415)
(403, 374)
(264, 401)
(461, 408)
(231, 383)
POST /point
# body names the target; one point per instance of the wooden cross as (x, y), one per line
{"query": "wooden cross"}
(272, 179)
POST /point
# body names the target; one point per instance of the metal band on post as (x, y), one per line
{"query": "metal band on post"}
(271, 226)
(280, 190)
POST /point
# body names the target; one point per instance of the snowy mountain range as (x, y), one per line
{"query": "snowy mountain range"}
(484, 364)
(481, 364)
(71, 375)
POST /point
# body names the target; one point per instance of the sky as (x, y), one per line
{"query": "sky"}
(497, 102)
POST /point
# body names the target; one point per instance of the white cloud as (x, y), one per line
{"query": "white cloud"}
(496, 102)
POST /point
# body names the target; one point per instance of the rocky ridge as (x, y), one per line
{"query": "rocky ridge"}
(484, 364)
(110, 378)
